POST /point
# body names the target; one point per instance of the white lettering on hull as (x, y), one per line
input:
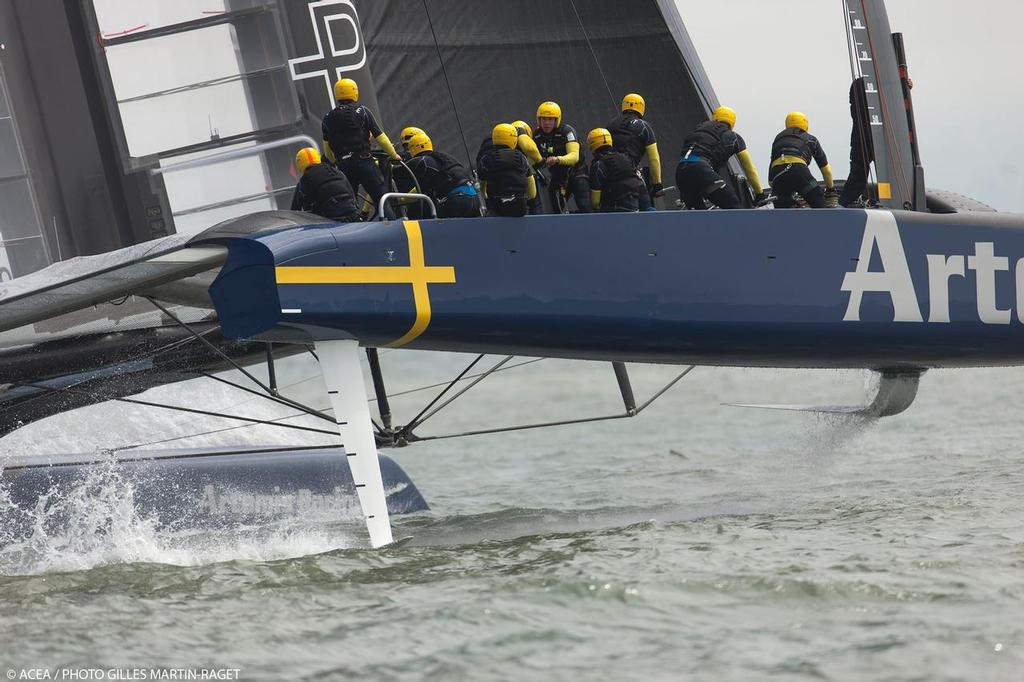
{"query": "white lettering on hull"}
(882, 232)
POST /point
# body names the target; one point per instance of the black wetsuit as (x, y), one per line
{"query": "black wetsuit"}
(565, 180)
(706, 150)
(614, 174)
(632, 134)
(787, 178)
(504, 171)
(348, 128)
(862, 152)
(325, 190)
(445, 180)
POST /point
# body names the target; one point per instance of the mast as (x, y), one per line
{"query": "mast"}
(874, 58)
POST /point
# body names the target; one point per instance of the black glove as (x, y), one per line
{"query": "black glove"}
(763, 198)
(831, 198)
(657, 190)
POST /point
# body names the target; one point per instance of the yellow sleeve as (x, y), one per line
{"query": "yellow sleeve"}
(483, 187)
(654, 159)
(531, 187)
(572, 154)
(826, 173)
(750, 170)
(329, 153)
(528, 147)
(386, 145)
(595, 199)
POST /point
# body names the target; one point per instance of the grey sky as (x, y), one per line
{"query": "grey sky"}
(766, 58)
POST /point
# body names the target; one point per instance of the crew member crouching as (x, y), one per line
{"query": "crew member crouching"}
(792, 151)
(635, 136)
(323, 189)
(706, 151)
(615, 184)
(505, 174)
(443, 179)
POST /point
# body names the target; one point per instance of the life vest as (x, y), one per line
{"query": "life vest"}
(504, 170)
(793, 142)
(620, 178)
(624, 138)
(554, 143)
(346, 130)
(326, 191)
(451, 174)
(712, 141)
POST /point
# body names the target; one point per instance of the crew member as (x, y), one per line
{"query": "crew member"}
(615, 184)
(407, 134)
(705, 151)
(792, 151)
(505, 175)
(347, 130)
(443, 179)
(560, 147)
(529, 149)
(323, 189)
(635, 136)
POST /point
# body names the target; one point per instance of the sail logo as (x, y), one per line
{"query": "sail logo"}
(336, 27)
(882, 232)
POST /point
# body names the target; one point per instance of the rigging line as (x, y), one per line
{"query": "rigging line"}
(451, 95)
(565, 422)
(468, 376)
(328, 409)
(313, 412)
(221, 353)
(211, 432)
(412, 424)
(476, 381)
(593, 52)
(207, 413)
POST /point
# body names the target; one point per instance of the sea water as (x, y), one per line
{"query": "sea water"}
(695, 541)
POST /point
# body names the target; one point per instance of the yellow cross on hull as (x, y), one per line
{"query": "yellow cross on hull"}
(417, 273)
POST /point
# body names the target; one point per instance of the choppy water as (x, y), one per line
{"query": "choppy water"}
(694, 542)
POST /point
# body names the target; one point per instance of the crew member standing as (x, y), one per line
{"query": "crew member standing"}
(347, 130)
(705, 151)
(443, 179)
(615, 184)
(323, 189)
(792, 151)
(529, 149)
(505, 174)
(635, 136)
(560, 147)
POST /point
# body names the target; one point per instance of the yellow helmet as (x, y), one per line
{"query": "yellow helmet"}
(505, 135)
(524, 125)
(599, 137)
(726, 115)
(797, 119)
(420, 143)
(410, 132)
(307, 156)
(550, 110)
(634, 102)
(346, 89)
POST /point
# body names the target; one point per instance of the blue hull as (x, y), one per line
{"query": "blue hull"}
(195, 490)
(798, 288)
